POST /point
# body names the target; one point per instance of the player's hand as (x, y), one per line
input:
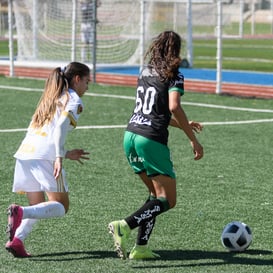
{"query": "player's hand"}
(77, 154)
(58, 165)
(197, 150)
(196, 126)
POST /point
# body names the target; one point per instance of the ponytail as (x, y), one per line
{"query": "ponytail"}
(59, 80)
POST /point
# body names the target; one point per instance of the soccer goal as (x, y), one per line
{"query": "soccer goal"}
(49, 30)
(52, 31)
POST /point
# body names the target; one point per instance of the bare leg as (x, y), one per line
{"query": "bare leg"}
(148, 182)
(165, 186)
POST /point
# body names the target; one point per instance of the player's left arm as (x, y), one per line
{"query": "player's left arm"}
(181, 120)
(175, 93)
(196, 126)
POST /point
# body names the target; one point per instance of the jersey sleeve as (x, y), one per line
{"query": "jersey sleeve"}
(177, 84)
(73, 109)
(73, 114)
(60, 134)
(67, 121)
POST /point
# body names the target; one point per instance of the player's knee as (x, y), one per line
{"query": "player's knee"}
(167, 203)
(66, 207)
(172, 203)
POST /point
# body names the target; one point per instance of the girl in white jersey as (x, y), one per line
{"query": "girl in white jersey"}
(38, 170)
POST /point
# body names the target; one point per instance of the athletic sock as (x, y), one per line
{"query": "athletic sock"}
(148, 211)
(145, 230)
(44, 210)
(25, 228)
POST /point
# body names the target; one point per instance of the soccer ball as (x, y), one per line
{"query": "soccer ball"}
(236, 236)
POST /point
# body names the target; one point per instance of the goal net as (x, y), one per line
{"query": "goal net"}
(52, 31)
(44, 30)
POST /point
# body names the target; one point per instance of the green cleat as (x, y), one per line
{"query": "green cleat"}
(142, 252)
(120, 232)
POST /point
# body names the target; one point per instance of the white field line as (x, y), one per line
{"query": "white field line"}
(78, 127)
(132, 98)
(192, 104)
(237, 122)
(4, 87)
(205, 123)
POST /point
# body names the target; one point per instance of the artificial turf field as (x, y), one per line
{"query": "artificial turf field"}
(232, 182)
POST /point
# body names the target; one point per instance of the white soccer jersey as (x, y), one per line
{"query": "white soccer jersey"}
(39, 143)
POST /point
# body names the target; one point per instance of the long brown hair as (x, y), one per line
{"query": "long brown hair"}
(164, 53)
(58, 81)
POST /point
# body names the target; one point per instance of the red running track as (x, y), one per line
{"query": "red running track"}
(235, 89)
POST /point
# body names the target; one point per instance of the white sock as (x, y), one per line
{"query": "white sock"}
(44, 210)
(25, 228)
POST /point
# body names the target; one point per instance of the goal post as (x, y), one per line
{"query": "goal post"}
(176, 22)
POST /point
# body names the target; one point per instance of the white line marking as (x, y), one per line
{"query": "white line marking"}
(101, 127)
(229, 107)
(133, 98)
(205, 123)
(237, 122)
(192, 104)
(12, 130)
(20, 88)
(110, 96)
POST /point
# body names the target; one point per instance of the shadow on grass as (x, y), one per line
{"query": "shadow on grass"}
(194, 258)
(74, 255)
(190, 258)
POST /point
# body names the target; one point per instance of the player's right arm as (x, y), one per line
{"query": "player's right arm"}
(60, 133)
(180, 119)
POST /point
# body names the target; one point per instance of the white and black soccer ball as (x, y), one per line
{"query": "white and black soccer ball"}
(236, 236)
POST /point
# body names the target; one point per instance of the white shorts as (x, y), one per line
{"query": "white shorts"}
(37, 175)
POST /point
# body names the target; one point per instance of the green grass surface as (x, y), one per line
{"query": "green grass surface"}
(232, 182)
(238, 54)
